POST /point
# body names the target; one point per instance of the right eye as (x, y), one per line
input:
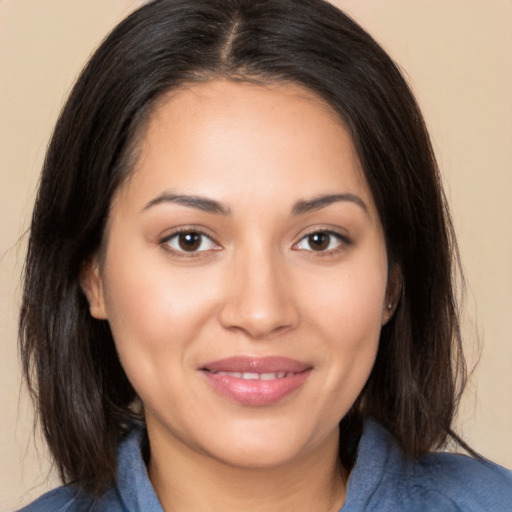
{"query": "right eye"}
(189, 242)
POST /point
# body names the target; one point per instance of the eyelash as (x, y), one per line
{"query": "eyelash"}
(343, 241)
(165, 242)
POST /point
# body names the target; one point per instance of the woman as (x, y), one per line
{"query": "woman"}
(238, 290)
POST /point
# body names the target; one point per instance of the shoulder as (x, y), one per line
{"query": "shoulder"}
(59, 500)
(467, 483)
(384, 480)
(132, 489)
(71, 499)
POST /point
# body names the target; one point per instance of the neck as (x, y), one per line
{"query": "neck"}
(189, 481)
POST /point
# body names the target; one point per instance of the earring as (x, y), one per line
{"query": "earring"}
(390, 305)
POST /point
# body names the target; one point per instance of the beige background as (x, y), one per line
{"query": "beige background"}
(457, 58)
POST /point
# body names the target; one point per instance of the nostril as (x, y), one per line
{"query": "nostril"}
(258, 325)
(260, 300)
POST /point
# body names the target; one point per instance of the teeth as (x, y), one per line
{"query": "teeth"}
(256, 376)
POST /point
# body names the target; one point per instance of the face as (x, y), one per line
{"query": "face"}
(244, 274)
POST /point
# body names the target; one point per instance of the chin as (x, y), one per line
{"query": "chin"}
(258, 456)
(268, 447)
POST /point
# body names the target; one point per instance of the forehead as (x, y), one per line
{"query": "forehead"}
(210, 137)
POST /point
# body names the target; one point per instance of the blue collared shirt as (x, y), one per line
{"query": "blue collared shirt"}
(382, 480)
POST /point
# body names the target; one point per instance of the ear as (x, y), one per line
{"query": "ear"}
(393, 292)
(92, 285)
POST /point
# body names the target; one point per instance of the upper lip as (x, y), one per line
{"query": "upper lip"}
(268, 364)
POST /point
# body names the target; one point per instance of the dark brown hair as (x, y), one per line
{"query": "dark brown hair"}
(83, 397)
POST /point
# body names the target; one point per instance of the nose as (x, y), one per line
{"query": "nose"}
(260, 300)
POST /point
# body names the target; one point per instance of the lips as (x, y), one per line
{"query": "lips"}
(256, 376)
(256, 381)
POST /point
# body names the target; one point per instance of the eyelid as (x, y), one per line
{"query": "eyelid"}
(342, 237)
(164, 241)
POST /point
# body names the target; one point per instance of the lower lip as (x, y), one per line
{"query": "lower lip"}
(256, 392)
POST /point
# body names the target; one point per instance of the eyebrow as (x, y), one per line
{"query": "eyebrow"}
(211, 206)
(317, 203)
(198, 202)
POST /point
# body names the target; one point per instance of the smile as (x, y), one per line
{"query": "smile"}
(256, 381)
(257, 376)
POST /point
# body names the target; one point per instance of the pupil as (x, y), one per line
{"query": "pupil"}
(189, 241)
(319, 241)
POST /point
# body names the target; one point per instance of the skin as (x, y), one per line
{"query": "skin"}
(255, 285)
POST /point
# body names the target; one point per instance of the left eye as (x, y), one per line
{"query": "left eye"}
(190, 241)
(320, 241)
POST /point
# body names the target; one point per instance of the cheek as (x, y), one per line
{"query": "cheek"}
(347, 311)
(154, 312)
(350, 301)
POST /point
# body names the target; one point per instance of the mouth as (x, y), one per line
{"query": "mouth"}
(256, 381)
(256, 376)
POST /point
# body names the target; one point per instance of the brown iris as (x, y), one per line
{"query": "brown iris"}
(189, 241)
(319, 241)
